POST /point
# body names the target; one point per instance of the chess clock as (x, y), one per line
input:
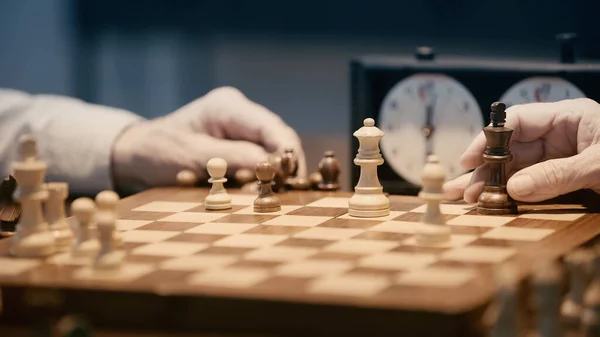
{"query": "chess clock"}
(429, 103)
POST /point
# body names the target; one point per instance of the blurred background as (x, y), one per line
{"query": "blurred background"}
(151, 57)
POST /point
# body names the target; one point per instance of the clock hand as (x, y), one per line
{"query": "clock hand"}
(429, 128)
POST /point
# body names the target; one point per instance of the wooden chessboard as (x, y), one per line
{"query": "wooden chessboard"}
(308, 269)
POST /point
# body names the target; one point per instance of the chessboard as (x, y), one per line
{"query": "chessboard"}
(309, 269)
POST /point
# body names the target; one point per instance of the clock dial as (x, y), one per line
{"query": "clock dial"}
(541, 89)
(428, 114)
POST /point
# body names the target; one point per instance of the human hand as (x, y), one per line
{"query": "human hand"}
(556, 149)
(224, 123)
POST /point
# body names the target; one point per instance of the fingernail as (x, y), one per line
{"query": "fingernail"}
(521, 185)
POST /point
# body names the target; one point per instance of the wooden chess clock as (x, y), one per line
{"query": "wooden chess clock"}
(433, 104)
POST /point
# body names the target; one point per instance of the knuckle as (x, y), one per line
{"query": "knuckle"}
(226, 92)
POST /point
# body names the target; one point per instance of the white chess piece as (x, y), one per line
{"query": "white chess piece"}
(547, 283)
(433, 229)
(578, 264)
(56, 217)
(217, 198)
(368, 199)
(85, 244)
(107, 201)
(109, 256)
(506, 315)
(33, 237)
(186, 178)
(590, 319)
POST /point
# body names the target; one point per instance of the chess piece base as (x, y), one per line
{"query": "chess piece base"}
(63, 238)
(88, 248)
(495, 201)
(34, 245)
(112, 260)
(328, 186)
(368, 205)
(264, 209)
(433, 235)
(571, 312)
(218, 202)
(267, 204)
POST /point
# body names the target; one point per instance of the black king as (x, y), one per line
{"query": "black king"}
(495, 199)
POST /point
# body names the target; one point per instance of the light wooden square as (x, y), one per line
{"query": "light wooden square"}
(480, 221)
(167, 206)
(230, 277)
(284, 210)
(16, 266)
(297, 220)
(314, 268)
(198, 262)
(439, 277)
(126, 273)
(350, 285)
(335, 202)
(169, 248)
(392, 215)
(193, 217)
(397, 260)
(454, 209)
(69, 260)
(250, 240)
(393, 226)
(456, 240)
(359, 246)
(147, 236)
(125, 225)
(479, 254)
(221, 228)
(328, 233)
(518, 233)
(243, 199)
(552, 216)
(281, 253)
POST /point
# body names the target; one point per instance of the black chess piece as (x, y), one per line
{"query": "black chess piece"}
(495, 199)
(10, 210)
(266, 201)
(329, 168)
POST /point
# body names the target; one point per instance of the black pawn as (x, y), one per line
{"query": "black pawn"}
(329, 168)
(266, 201)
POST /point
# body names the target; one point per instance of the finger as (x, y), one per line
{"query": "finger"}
(556, 177)
(454, 189)
(477, 183)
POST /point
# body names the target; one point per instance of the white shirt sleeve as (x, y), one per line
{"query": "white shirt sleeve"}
(74, 138)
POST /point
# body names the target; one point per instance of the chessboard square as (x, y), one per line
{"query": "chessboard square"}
(456, 240)
(314, 268)
(281, 253)
(243, 199)
(199, 262)
(195, 217)
(358, 246)
(126, 225)
(350, 285)
(166, 206)
(250, 240)
(394, 226)
(397, 260)
(392, 215)
(439, 277)
(239, 277)
(221, 228)
(457, 209)
(336, 202)
(554, 216)
(328, 233)
(126, 273)
(479, 254)
(297, 220)
(480, 221)
(16, 266)
(147, 236)
(169, 248)
(68, 259)
(284, 210)
(518, 234)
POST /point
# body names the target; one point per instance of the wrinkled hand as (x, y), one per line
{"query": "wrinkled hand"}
(556, 148)
(224, 123)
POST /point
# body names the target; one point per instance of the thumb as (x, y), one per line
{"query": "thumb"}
(555, 177)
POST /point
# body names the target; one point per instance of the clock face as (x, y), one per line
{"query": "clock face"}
(540, 89)
(428, 114)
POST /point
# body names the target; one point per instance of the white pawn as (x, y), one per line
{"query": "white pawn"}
(547, 284)
(217, 198)
(109, 256)
(106, 201)
(433, 229)
(85, 245)
(56, 217)
(186, 178)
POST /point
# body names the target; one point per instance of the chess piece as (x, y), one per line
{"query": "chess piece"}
(32, 237)
(368, 199)
(10, 210)
(279, 178)
(590, 319)
(106, 203)
(433, 229)
(244, 176)
(495, 199)
(329, 168)
(300, 183)
(266, 201)
(217, 198)
(85, 244)
(56, 217)
(108, 256)
(314, 179)
(547, 283)
(505, 322)
(186, 178)
(578, 264)
(289, 163)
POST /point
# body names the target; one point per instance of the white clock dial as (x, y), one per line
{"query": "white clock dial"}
(540, 89)
(428, 114)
